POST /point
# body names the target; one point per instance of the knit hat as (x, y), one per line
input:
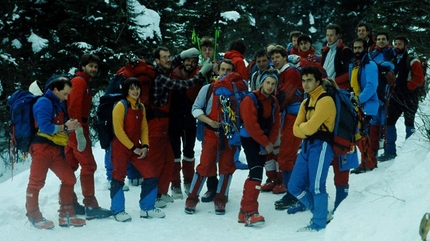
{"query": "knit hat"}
(269, 74)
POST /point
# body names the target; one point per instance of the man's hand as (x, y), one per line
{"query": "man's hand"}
(206, 67)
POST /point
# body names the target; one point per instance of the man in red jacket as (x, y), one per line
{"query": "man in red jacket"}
(260, 115)
(236, 54)
(215, 147)
(78, 107)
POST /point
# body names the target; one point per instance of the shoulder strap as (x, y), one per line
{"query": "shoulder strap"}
(319, 97)
(254, 99)
(126, 105)
(272, 100)
(208, 96)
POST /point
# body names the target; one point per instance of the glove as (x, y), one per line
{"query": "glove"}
(354, 100)
(190, 53)
(207, 66)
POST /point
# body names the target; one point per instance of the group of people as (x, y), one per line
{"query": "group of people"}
(287, 126)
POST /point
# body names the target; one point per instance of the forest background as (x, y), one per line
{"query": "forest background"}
(43, 37)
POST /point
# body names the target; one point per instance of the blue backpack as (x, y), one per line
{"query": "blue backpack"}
(230, 108)
(22, 121)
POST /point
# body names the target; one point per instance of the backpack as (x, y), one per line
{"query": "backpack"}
(230, 108)
(22, 125)
(346, 121)
(104, 117)
(21, 103)
(386, 78)
(134, 68)
(423, 89)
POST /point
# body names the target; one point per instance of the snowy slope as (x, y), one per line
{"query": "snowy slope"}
(385, 204)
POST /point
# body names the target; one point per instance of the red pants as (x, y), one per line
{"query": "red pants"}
(160, 152)
(88, 165)
(85, 158)
(289, 145)
(211, 153)
(368, 159)
(44, 157)
(121, 156)
(341, 178)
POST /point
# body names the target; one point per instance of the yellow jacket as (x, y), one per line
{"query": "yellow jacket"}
(118, 124)
(309, 123)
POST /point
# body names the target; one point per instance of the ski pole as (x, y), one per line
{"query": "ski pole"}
(215, 42)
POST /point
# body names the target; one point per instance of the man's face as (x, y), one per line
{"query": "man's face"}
(362, 32)
(381, 41)
(331, 36)
(294, 42)
(91, 69)
(190, 64)
(262, 63)
(268, 86)
(64, 93)
(278, 60)
(309, 83)
(208, 52)
(399, 46)
(358, 49)
(304, 46)
(164, 60)
(225, 69)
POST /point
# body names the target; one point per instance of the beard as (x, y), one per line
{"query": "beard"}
(359, 55)
(188, 68)
(399, 51)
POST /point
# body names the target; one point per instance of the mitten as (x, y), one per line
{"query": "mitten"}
(82, 142)
(207, 66)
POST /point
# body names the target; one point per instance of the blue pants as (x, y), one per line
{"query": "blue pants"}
(308, 179)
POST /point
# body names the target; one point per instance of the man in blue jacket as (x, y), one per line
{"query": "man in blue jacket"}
(363, 74)
(47, 152)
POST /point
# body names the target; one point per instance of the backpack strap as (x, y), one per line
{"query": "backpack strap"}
(208, 96)
(126, 106)
(237, 96)
(307, 107)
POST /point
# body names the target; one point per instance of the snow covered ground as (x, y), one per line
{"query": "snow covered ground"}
(385, 204)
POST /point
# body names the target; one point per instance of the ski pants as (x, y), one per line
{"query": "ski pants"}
(289, 144)
(308, 179)
(211, 153)
(160, 153)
